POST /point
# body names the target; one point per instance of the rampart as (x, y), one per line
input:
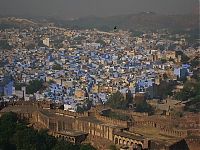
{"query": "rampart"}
(193, 142)
(174, 132)
(111, 121)
(93, 122)
(69, 113)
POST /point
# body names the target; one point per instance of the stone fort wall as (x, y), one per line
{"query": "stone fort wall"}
(112, 121)
(76, 121)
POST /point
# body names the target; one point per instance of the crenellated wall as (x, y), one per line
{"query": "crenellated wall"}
(94, 129)
(130, 113)
(95, 124)
(163, 128)
(112, 121)
(69, 113)
(174, 132)
(193, 143)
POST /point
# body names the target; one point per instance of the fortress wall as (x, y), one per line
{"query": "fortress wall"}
(94, 129)
(193, 143)
(189, 125)
(130, 113)
(164, 129)
(149, 124)
(194, 132)
(173, 132)
(111, 121)
(43, 119)
(126, 112)
(69, 113)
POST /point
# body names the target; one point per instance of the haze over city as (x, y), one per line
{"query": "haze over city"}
(80, 8)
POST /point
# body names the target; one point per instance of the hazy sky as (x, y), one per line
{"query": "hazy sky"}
(79, 8)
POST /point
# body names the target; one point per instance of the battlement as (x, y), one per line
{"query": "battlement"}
(111, 121)
(174, 132)
(130, 113)
(69, 113)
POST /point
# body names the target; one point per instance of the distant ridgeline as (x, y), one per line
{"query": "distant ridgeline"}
(142, 21)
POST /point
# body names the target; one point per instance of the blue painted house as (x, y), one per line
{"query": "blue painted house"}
(6, 87)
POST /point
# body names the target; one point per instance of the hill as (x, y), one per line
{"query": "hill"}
(142, 21)
(12, 22)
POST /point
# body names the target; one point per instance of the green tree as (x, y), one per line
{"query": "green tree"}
(102, 42)
(144, 107)
(57, 67)
(117, 101)
(86, 147)
(18, 86)
(191, 92)
(30, 46)
(34, 86)
(7, 129)
(184, 57)
(129, 97)
(5, 45)
(163, 60)
(80, 109)
(63, 145)
(112, 147)
(195, 62)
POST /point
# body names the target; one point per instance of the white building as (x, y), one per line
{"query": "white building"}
(46, 42)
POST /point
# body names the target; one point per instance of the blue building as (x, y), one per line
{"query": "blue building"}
(181, 72)
(6, 87)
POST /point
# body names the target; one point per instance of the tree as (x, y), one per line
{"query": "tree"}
(87, 147)
(184, 57)
(195, 62)
(129, 97)
(144, 107)
(191, 92)
(57, 67)
(112, 147)
(34, 86)
(5, 45)
(30, 46)
(7, 129)
(18, 86)
(102, 42)
(80, 109)
(117, 101)
(163, 60)
(63, 145)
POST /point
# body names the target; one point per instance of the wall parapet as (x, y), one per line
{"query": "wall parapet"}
(69, 113)
(174, 132)
(112, 121)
